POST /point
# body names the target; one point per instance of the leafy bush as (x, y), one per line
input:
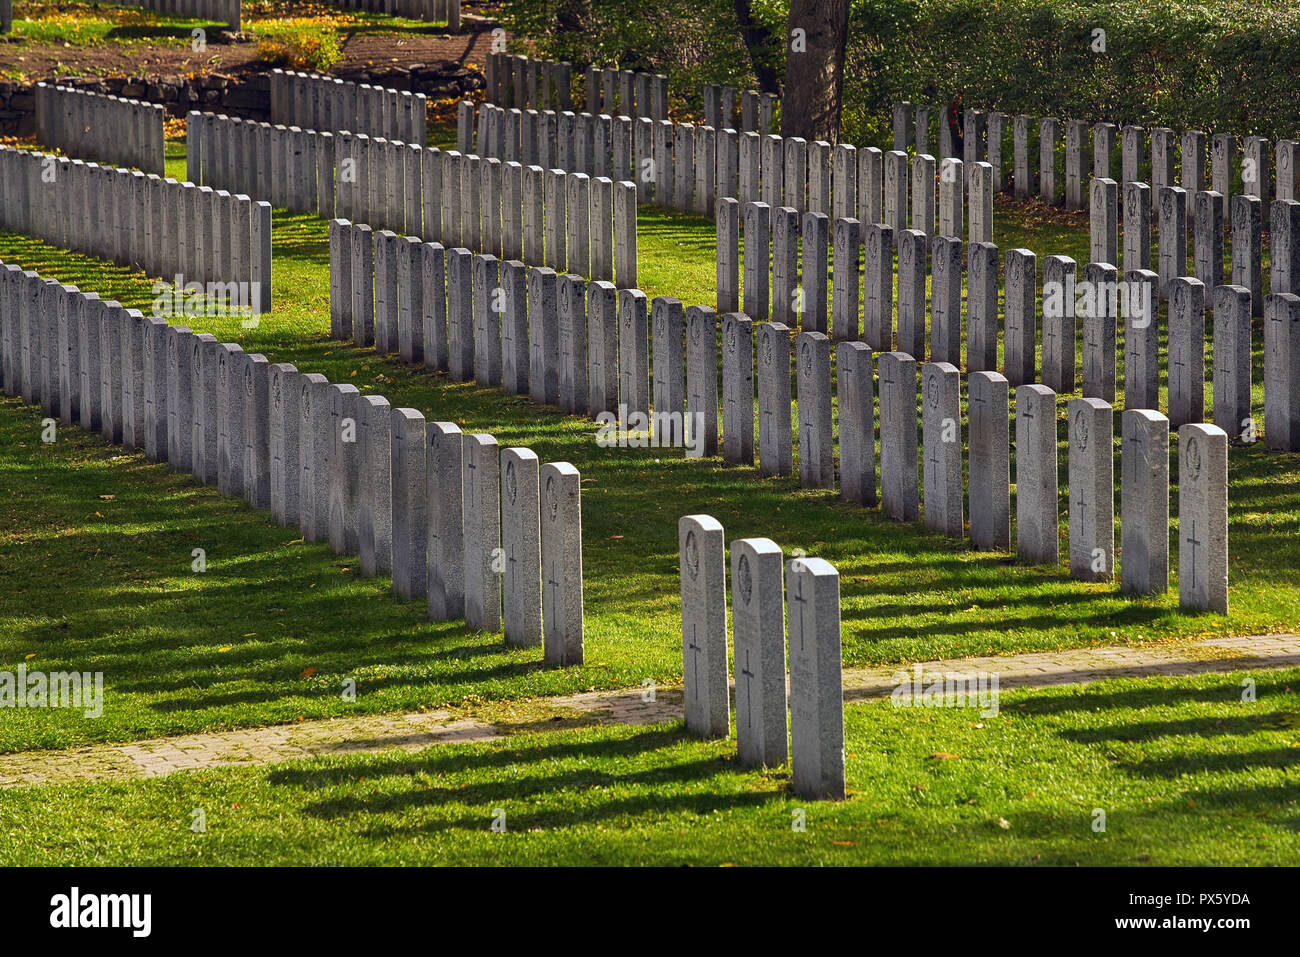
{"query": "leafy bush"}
(314, 50)
(1225, 65)
(1230, 65)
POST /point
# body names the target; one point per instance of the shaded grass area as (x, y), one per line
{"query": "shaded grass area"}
(1183, 770)
(907, 594)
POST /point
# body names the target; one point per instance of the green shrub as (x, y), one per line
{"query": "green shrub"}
(300, 50)
(1229, 65)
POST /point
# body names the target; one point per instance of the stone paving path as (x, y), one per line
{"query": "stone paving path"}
(413, 732)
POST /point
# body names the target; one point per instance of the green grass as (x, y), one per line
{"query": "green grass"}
(1184, 771)
(107, 582)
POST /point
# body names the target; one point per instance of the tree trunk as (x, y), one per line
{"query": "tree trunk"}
(814, 69)
(760, 44)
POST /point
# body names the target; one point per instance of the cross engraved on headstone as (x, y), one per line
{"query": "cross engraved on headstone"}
(695, 663)
(551, 580)
(1135, 442)
(1194, 542)
(749, 689)
(802, 601)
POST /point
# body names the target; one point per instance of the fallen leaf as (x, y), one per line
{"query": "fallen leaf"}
(30, 657)
(223, 650)
(1004, 824)
(944, 756)
(308, 671)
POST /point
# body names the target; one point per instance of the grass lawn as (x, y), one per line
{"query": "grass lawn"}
(104, 583)
(1184, 771)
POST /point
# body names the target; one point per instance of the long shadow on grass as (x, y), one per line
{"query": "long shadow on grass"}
(532, 773)
(1102, 697)
(1215, 727)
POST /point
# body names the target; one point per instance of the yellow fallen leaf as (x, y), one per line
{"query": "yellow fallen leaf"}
(223, 650)
(30, 657)
(944, 756)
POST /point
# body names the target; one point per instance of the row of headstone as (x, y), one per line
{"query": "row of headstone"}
(545, 217)
(598, 145)
(772, 602)
(855, 390)
(87, 125)
(292, 168)
(588, 348)
(772, 249)
(689, 168)
(486, 534)
(753, 113)
(311, 101)
(222, 11)
(1054, 161)
(521, 81)
(1111, 318)
(434, 11)
(526, 83)
(165, 228)
(559, 339)
(1201, 237)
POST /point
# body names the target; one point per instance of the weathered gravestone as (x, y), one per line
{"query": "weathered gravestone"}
(1282, 372)
(856, 394)
(775, 431)
(1232, 359)
(813, 379)
(1092, 489)
(738, 388)
(990, 461)
(445, 556)
(701, 382)
(375, 503)
(561, 557)
(482, 504)
(1059, 284)
(758, 635)
(704, 625)
(1203, 518)
(344, 468)
(521, 554)
(285, 434)
(1186, 352)
(900, 495)
(313, 456)
(941, 435)
(669, 386)
(1037, 491)
(1144, 502)
(816, 678)
(1142, 340)
(256, 385)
